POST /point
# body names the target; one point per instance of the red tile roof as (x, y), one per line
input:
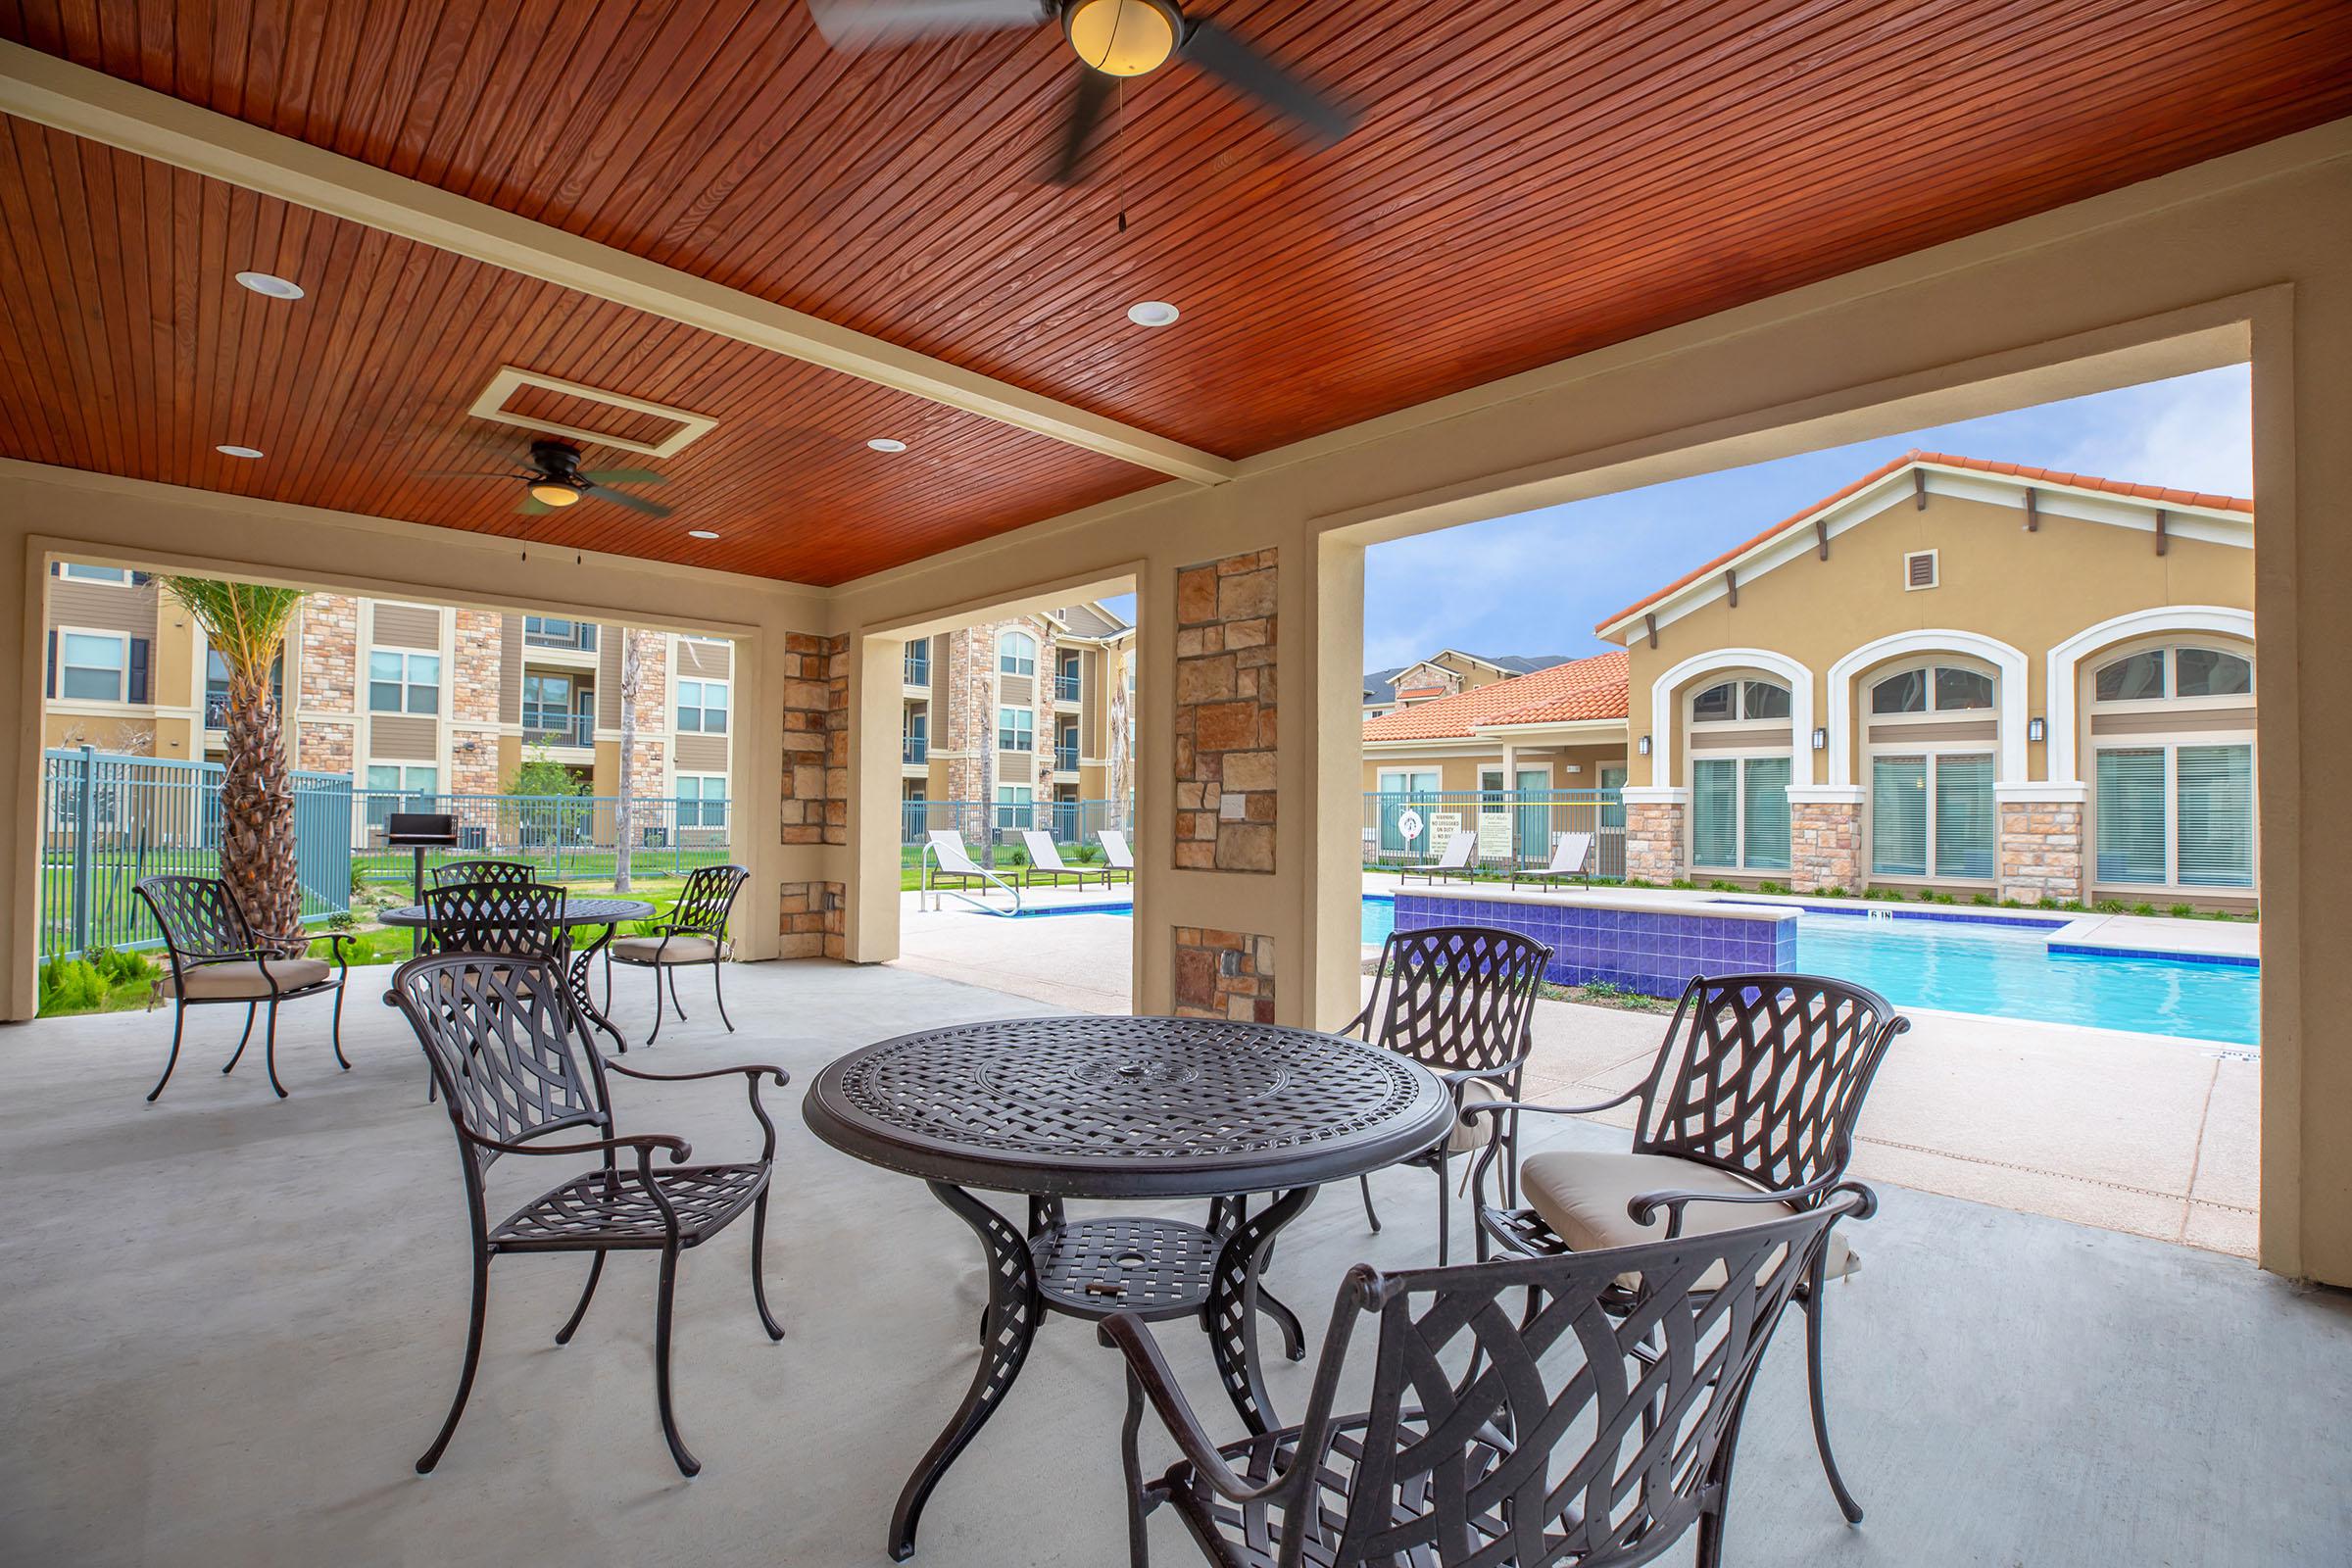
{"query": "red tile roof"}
(2014, 470)
(1420, 691)
(1581, 689)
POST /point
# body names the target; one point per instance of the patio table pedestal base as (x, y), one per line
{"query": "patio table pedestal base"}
(1092, 1269)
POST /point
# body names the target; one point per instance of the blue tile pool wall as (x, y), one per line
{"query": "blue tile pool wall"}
(1650, 951)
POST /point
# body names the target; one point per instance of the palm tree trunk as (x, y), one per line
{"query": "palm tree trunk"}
(257, 809)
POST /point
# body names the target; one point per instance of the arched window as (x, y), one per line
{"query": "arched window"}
(1932, 740)
(1740, 751)
(1017, 653)
(2172, 740)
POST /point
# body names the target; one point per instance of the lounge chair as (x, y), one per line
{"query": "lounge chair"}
(1571, 857)
(1045, 861)
(1453, 864)
(1115, 854)
(951, 863)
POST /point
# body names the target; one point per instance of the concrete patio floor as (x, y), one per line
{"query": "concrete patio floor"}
(2149, 1134)
(230, 1324)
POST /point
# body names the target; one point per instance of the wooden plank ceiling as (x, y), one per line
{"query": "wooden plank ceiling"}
(1530, 182)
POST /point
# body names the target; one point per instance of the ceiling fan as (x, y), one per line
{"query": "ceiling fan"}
(1114, 39)
(555, 479)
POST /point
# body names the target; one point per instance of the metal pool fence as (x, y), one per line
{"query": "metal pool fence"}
(567, 838)
(108, 820)
(1516, 829)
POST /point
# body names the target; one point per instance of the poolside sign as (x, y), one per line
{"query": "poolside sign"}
(1408, 824)
(1493, 835)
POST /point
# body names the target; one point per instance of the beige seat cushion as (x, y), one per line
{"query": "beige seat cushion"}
(1470, 1134)
(681, 950)
(1583, 1197)
(217, 981)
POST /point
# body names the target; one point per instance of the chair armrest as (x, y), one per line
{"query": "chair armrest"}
(1493, 1106)
(644, 1142)
(1644, 1207)
(1149, 1374)
(752, 1072)
(1359, 1026)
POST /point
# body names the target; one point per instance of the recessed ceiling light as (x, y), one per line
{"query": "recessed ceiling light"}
(277, 288)
(699, 533)
(238, 451)
(883, 443)
(1152, 313)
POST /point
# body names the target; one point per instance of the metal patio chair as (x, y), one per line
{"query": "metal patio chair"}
(500, 1036)
(1750, 1108)
(1458, 999)
(496, 919)
(696, 932)
(1514, 1421)
(506, 873)
(217, 956)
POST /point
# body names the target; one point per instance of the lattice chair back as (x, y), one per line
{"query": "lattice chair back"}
(503, 920)
(199, 916)
(506, 873)
(498, 1033)
(1458, 997)
(1764, 1074)
(709, 895)
(1433, 1474)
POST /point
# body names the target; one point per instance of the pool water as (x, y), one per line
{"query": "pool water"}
(2008, 971)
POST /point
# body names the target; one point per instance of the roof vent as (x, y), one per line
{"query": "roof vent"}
(1919, 569)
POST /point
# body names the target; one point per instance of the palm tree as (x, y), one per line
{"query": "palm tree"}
(246, 625)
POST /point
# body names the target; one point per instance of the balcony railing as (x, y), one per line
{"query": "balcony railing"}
(1066, 688)
(913, 749)
(918, 668)
(216, 705)
(1065, 759)
(558, 729)
(578, 635)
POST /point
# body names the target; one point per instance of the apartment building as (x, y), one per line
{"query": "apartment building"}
(1446, 673)
(1027, 714)
(413, 699)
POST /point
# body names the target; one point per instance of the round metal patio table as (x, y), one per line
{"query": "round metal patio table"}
(1110, 1107)
(577, 913)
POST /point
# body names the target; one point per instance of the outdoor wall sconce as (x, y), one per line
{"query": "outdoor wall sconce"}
(1821, 740)
(1643, 745)
(2036, 730)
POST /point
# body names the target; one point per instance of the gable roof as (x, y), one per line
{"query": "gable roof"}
(2023, 473)
(1379, 685)
(1558, 694)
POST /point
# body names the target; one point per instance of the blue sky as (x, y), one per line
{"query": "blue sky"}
(1536, 582)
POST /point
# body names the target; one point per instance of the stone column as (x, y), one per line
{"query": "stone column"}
(474, 678)
(2041, 858)
(1653, 832)
(1825, 838)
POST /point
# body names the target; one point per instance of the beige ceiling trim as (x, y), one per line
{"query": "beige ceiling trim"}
(492, 404)
(99, 108)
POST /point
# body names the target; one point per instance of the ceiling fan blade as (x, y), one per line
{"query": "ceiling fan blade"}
(652, 508)
(866, 24)
(532, 506)
(464, 473)
(1239, 65)
(1086, 112)
(623, 476)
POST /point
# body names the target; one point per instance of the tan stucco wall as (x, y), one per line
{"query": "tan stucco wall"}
(1460, 770)
(2029, 590)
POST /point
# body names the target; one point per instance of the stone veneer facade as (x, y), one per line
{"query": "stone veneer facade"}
(1224, 974)
(814, 773)
(1825, 846)
(964, 695)
(812, 921)
(480, 653)
(1226, 713)
(2040, 855)
(1654, 840)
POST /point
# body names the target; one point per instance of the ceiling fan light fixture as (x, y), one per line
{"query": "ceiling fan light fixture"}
(276, 288)
(1152, 313)
(1123, 37)
(549, 494)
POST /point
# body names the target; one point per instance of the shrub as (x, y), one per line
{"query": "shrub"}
(1681, 882)
(1832, 893)
(2109, 907)
(1984, 899)
(118, 968)
(71, 985)
(342, 920)
(1770, 887)
(2143, 908)
(2182, 912)
(1719, 885)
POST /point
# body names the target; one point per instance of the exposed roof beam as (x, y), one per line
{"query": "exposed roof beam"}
(99, 108)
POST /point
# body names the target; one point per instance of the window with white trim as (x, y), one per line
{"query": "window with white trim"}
(1740, 793)
(2174, 804)
(702, 799)
(1017, 806)
(400, 682)
(80, 571)
(1016, 730)
(701, 707)
(93, 666)
(1017, 653)
(1932, 809)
